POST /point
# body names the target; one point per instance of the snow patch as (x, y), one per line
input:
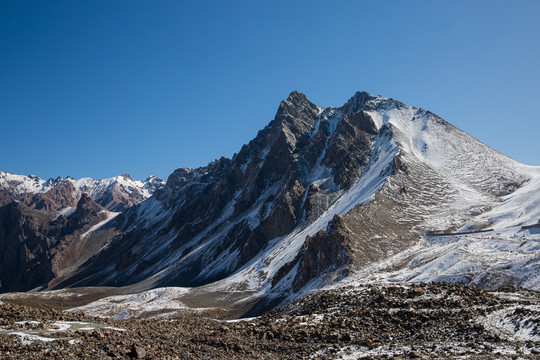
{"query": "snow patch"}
(134, 305)
(110, 215)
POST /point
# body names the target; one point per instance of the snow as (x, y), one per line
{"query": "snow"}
(509, 253)
(67, 211)
(31, 322)
(356, 352)
(134, 305)
(22, 184)
(95, 188)
(522, 207)
(50, 331)
(110, 215)
(500, 322)
(30, 184)
(27, 339)
(489, 259)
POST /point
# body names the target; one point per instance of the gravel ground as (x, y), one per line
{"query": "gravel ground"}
(371, 321)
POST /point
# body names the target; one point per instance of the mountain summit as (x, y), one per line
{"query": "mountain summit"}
(321, 195)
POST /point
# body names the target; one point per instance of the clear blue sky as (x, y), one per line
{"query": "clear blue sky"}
(100, 88)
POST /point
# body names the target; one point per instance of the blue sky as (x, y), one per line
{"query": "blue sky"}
(100, 88)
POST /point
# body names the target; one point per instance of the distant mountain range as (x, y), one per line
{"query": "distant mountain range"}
(43, 222)
(114, 194)
(373, 190)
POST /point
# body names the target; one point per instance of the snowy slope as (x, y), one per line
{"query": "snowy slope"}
(154, 302)
(509, 254)
(488, 259)
(495, 198)
(22, 184)
(519, 208)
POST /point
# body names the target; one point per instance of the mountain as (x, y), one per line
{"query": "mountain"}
(43, 223)
(372, 190)
(115, 194)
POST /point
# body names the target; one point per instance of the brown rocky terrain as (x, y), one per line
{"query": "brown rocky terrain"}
(365, 322)
(59, 197)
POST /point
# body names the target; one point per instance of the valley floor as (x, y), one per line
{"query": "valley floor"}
(410, 320)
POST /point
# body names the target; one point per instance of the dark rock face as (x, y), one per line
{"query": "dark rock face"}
(326, 251)
(25, 262)
(61, 196)
(349, 151)
(34, 243)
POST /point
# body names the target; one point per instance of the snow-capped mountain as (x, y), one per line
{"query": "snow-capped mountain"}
(318, 196)
(115, 194)
(369, 191)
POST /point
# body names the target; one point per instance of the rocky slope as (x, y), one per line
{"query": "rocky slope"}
(363, 322)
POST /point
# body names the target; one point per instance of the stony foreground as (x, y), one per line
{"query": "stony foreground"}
(370, 321)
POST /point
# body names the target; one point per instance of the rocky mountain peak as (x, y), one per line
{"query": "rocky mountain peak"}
(294, 120)
(179, 177)
(295, 107)
(86, 202)
(151, 178)
(115, 194)
(358, 101)
(62, 195)
(86, 209)
(297, 97)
